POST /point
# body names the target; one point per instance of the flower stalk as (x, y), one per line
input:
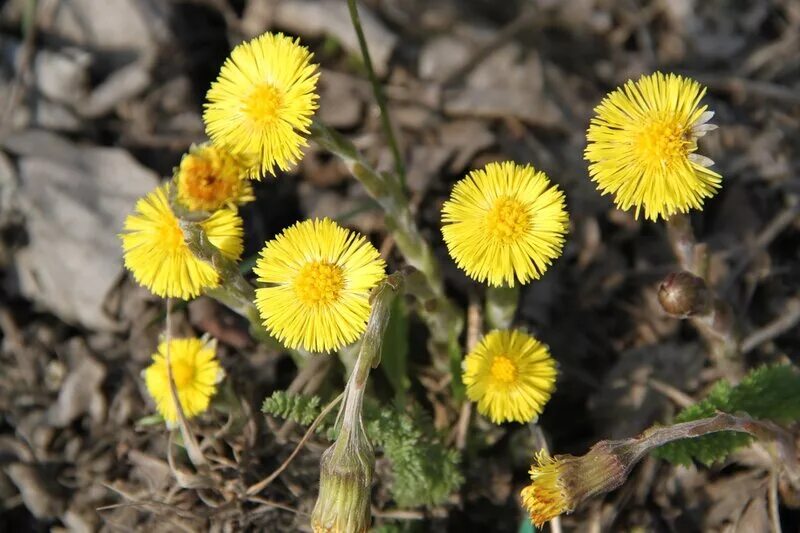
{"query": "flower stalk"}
(501, 306)
(561, 482)
(346, 468)
(233, 290)
(687, 295)
(377, 90)
(441, 316)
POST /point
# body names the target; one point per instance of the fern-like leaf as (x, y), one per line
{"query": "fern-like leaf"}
(424, 471)
(767, 393)
(299, 408)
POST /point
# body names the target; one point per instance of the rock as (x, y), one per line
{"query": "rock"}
(520, 94)
(115, 27)
(467, 137)
(341, 102)
(80, 392)
(75, 199)
(442, 56)
(332, 18)
(40, 494)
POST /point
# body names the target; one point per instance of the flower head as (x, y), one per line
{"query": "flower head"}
(195, 371)
(560, 483)
(156, 253)
(210, 178)
(511, 375)
(262, 102)
(504, 223)
(642, 145)
(318, 278)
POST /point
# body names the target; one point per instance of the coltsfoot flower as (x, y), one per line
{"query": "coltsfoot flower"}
(504, 224)
(318, 277)
(210, 178)
(510, 375)
(195, 371)
(261, 104)
(560, 483)
(156, 253)
(642, 146)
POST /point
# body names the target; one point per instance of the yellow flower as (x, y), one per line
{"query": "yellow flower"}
(157, 255)
(319, 276)
(546, 498)
(504, 223)
(560, 483)
(260, 107)
(195, 370)
(511, 375)
(642, 145)
(210, 178)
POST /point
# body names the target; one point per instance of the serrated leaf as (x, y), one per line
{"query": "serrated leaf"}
(767, 393)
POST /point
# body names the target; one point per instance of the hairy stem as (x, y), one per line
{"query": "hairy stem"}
(712, 317)
(443, 319)
(233, 290)
(501, 305)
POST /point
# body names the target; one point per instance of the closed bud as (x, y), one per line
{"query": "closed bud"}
(682, 294)
(343, 504)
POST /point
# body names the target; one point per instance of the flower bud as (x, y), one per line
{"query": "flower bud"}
(682, 294)
(343, 504)
(560, 483)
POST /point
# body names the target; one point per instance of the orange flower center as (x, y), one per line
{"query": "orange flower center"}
(503, 370)
(263, 104)
(319, 283)
(203, 184)
(507, 220)
(663, 141)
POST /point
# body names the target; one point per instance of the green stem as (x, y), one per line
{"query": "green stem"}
(443, 319)
(501, 306)
(233, 290)
(380, 97)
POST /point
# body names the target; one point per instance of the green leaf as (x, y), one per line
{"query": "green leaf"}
(424, 471)
(767, 393)
(394, 354)
(298, 408)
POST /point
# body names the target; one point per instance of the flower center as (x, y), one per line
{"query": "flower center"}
(503, 370)
(182, 373)
(663, 141)
(202, 181)
(170, 234)
(319, 283)
(507, 220)
(263, 103)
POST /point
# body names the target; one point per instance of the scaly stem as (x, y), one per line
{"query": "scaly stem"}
(443, 319)
(347, 467)
(380, 97)
(501, 305)
(714, 319)
(233, 290)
